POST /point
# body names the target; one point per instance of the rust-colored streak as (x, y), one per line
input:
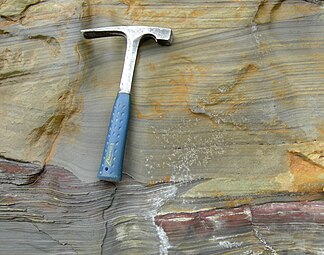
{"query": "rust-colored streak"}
(180, 90)
(151, 67)
(308, 176)
(156, 111)
(137, 11)
(176, 95)
(167, 178)
(196, 13)
(239, 202)
(129, 3)
(245, 72)
(321, 130)
(68, 105)
(134, 8)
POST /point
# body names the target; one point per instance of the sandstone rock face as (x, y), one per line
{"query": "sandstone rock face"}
(237, 99)
(226, 137)
(40, 75)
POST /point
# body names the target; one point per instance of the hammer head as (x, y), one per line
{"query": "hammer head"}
(162, 36)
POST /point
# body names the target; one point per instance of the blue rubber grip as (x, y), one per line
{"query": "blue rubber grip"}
(113, 155)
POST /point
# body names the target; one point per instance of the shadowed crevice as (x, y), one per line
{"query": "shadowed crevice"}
(18, 172)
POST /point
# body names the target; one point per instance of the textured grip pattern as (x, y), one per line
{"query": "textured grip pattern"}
(113, 155)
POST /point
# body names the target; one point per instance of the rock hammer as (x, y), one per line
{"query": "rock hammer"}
(113, 155)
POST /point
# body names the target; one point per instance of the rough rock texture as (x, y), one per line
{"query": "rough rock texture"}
(40, 75)
(59, 214)
(237, 98)
(226, 137)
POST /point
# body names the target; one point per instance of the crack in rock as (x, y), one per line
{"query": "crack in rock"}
(19, 173)
(106, 221)
(57, 241)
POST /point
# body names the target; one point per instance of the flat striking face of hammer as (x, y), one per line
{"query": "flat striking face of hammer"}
(113, 155)
(133, 35)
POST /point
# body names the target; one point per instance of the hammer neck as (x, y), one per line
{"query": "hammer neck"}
(129, 65)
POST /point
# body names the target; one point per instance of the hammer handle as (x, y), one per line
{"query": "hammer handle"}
(113, 155)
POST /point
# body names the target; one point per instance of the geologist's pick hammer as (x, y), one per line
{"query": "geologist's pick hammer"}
(113, 155)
